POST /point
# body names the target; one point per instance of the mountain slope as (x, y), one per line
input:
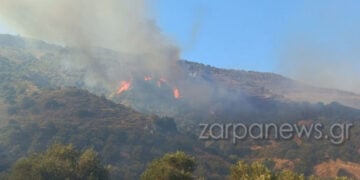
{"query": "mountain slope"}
(126, 140)
(38, 108)
(51, 65)
(270, 85)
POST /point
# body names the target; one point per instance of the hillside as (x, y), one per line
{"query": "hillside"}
(126, 140)
(49, 65)
(270, 85)
(48, 94)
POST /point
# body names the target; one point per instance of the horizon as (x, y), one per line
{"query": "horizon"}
(194, 89)
(313, 42)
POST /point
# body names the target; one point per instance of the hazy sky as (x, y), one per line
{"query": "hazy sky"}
(301, 39)
(4, 29)
(317, 42)
(254, 34)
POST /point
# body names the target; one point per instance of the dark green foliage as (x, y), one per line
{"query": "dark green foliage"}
(27, 102)
(43, 114)
(52, 104)
(12, 110)
(289, 175)
(257, 170)
(85, 113)
(125, 139)
(243, 171)
(60, 162)
(166, 124)
(176, 166)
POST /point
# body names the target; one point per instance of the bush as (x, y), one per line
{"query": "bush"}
(176, 166)
(60, 162)
(166, 124)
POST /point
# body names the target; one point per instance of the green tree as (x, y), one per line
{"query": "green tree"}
(255, 171)
(60, 162)
(258, 171)
(175, 166)
(287, 174)
(89, 166)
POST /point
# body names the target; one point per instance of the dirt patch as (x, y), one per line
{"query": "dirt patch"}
(283, 164)
(332, 168)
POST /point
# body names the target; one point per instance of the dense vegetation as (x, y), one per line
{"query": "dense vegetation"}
(65, 162)
(60, 162)
(125, 139)
(176, 166)
(38, 108)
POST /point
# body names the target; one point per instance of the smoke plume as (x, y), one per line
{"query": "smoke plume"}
(322, 67)
(121, 25)
(321, 45)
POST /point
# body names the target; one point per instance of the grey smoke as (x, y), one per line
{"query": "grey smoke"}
(321, 45)
(322, 67)
(122, 25)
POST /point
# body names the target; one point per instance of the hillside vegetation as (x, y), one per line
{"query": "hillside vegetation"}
(43, 101)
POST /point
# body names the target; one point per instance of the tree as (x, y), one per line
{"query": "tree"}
(287, 174)
(89, 166)
(256, 171)
(175, 166)
(166, 124)
(60, 162)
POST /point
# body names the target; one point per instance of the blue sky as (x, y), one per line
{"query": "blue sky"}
(230, 34)
(256, 35)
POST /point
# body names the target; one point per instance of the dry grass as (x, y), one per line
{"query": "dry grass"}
(332, 168)
(283, 164)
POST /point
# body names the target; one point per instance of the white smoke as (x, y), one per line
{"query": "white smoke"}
(121, 25)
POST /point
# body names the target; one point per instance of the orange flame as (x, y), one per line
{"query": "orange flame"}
(147, 78)
(176, 93)
(124, 86)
